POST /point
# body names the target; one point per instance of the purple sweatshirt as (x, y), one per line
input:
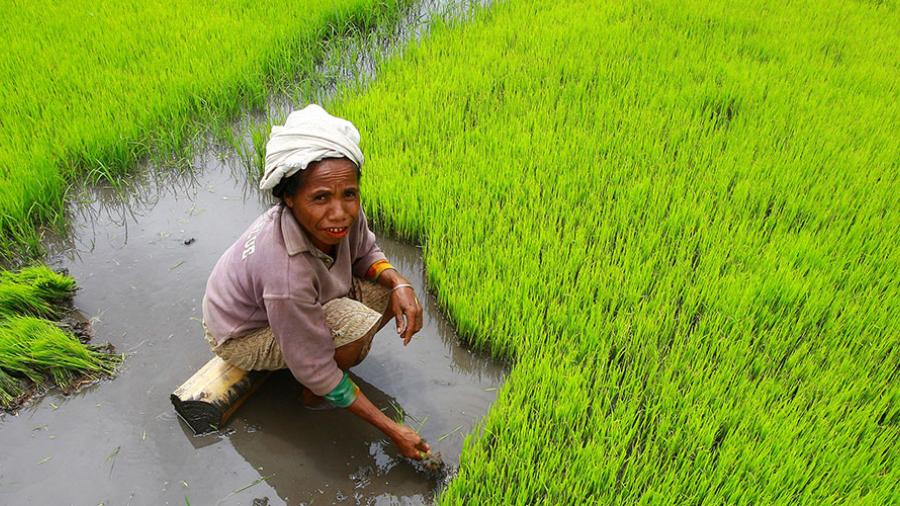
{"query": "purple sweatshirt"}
(274, 276)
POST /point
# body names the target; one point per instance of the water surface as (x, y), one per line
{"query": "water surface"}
(119, 442)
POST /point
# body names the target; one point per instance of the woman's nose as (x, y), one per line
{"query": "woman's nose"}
(337, 212)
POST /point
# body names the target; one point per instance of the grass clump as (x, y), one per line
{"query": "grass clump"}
(35, 351)
(680, 220)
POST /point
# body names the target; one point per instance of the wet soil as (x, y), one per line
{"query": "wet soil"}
(141, 256)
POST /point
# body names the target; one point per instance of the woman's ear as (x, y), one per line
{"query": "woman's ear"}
(289, 201)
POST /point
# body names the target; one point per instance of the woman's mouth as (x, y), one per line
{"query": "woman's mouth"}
(337, 232)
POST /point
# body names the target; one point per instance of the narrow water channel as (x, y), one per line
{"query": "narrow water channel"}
(141, 257)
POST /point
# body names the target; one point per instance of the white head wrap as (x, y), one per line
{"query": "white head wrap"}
(308, 135)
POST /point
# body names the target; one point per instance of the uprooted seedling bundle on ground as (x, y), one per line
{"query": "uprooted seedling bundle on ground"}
(34, 351)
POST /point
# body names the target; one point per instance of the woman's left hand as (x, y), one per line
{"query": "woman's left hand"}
(407, 312)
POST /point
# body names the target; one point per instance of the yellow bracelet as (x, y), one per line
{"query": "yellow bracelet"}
(377, 268)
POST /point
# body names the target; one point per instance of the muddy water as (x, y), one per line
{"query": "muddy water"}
(119, 442)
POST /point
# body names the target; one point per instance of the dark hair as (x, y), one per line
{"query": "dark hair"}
(288, 186)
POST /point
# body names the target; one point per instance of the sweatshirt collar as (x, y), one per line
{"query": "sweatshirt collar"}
(295, 239)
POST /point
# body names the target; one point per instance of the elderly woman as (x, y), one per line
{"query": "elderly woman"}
(306, 287)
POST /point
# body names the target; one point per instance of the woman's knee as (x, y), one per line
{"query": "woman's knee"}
(347, 356)
(352, 354)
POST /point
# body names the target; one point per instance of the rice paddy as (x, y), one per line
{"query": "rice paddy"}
(680, 220)
(89, 88)
(677, 219)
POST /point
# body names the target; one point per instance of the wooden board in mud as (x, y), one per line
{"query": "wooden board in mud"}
(208, 399)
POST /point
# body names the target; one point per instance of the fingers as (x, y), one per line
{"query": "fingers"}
(420, 317)
(400, 318)
(408, 314)
(413, 324)
(407, 330)
(413, 330)
(411, 444)
(423, 449)
(407, 336)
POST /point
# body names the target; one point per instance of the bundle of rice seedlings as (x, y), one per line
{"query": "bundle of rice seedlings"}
(52, 285)
(40, 351)
(35, 350)
(34, 291)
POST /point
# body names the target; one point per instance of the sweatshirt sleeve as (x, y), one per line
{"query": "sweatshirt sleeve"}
(306, 343)
(367, 250)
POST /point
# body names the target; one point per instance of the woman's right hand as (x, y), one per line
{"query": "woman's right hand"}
(405, 439)
(410, 444)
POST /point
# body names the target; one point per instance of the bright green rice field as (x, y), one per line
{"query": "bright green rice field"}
(679, 221)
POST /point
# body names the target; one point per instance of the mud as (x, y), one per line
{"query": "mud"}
(141, 279)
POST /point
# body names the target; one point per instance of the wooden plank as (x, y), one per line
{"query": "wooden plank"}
(208, 398)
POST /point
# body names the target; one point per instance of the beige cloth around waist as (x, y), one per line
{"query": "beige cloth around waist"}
(348, 318)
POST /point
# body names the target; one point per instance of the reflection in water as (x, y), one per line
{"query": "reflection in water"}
(110, 210)
(321, 452)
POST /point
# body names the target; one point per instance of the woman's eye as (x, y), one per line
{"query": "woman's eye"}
(350, 193)
(320, 198)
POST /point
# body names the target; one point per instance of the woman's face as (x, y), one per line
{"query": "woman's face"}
(327, 203)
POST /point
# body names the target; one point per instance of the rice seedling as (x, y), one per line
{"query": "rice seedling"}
(111, 458)
(245, 487)
(420, 424)
(448, 434)
(10, 389)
